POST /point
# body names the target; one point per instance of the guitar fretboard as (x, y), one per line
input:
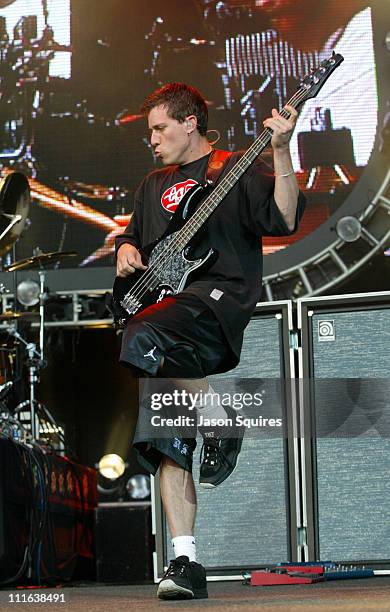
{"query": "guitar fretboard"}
(208, 206)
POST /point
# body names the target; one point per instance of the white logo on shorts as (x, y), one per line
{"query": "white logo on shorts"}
(216, 294)
(150, 354)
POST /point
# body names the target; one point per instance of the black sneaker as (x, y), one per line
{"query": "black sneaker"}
(219, 454)
(183, 579)
(218, 459)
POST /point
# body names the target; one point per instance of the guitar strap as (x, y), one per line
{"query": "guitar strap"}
(217, 162)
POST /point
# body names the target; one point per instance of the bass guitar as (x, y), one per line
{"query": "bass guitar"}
(169, 260)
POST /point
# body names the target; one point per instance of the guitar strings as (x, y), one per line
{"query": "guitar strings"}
(198, 218)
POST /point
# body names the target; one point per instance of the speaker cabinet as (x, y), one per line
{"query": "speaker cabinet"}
(124, 542)
(344, 368)
(250, 520)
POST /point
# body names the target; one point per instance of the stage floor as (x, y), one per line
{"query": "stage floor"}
(371, 594)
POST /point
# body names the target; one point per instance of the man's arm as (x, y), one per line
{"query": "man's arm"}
(286, 187)
(128, 257)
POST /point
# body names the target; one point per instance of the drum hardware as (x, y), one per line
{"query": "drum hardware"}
(39, 261)
(35, 356)
(34, 363)
(38, 413)
(39, 422)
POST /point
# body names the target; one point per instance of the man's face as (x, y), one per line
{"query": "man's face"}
(169, 138)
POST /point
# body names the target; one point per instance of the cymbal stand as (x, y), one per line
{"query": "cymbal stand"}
(34, 363)
(42, 276)
(35, 359)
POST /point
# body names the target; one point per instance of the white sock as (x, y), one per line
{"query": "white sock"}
(184, 545)
(210, 406)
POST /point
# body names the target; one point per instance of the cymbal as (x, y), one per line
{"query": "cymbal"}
(39, 261)
(14, 202)
(10, 315)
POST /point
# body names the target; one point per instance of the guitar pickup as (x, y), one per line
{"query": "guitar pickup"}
(131, 305)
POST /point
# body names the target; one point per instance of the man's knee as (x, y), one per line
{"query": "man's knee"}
(169, 463)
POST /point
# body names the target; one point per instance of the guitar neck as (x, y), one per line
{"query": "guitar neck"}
(208, 206)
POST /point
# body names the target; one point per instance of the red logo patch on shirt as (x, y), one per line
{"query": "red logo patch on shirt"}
(172, 196)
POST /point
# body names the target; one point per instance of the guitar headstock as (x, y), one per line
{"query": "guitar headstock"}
(312, 83)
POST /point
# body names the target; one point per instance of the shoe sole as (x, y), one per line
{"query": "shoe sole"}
(170, 590)
(209, 485)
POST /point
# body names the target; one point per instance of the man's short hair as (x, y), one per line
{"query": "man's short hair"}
(180, 100)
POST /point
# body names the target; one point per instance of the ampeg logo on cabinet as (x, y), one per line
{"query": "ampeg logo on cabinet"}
(326, 331)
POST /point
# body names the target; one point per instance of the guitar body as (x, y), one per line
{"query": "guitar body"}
(168, 271)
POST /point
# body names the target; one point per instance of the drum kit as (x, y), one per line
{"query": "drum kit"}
(20, 358)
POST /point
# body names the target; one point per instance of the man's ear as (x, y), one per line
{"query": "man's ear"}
(191, 123)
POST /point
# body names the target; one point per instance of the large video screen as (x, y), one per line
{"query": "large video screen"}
(74, 74)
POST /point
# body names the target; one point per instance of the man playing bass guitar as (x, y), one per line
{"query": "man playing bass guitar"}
(198, 331)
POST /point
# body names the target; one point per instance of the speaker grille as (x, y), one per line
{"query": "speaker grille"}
(352, 410)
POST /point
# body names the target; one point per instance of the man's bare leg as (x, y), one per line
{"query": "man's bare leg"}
(184, 578)
(178, 497)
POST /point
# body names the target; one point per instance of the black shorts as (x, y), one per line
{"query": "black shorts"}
(178, 338)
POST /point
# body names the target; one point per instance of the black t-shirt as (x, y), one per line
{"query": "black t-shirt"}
(232, 286)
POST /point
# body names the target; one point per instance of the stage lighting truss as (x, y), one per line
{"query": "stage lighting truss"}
(83, 308)
(340, 259)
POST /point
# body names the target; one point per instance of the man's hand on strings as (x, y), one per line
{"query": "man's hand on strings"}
(282, 128)
(128, 260)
